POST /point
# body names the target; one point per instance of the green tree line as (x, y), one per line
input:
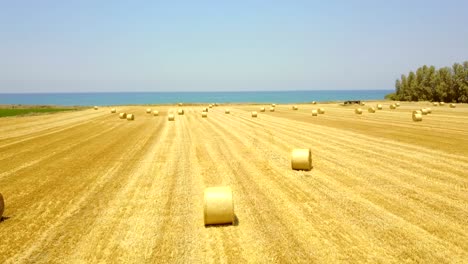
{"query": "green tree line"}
(448, 84)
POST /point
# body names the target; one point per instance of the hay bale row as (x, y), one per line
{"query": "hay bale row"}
(301, 159)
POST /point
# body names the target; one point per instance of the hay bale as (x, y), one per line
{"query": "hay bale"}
(417, 117)
(218, 206)
(148, 110)
(180, 104)
(371, 109)
(424, 111)
(397, 104)
(313, 102)
(362, 104)
(2, 206)
(180, 111)
(301, 159)
(215, 104)
(254, 114)
(392, 106)
(113, 111)
(204, 114)
(205, 109)
(272, 109)
(273, 105)
(95, 108)
(130, 117)
(435, 104)
(262, 109)
(155, 112)
(314, 112)
(379, 106)
(227, 111)
(321, 111)
(295, 107)
(452, 106)
(441, 103)
(122, 115)
(417, 112)
(170, 117)
(429, 110)
(358, 111)
(210, 106)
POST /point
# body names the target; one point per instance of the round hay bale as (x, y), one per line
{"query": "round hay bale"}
(392, 106)
(429, 110)
(321, 111)
(295, 107)
(358, 111)
(215, 104)
(204, 114)
(435, 103)
(218, 206)
(155, 112)
(424, 111)
(417, 117)
(113, 111)
(148, 110)
(170, 117)
(272, 109)
(227, 111)
(262, 109)
(371, 110)
(301, 159)
(180, 104)
(273, 105)
(254, 114)
(205, 109)
(130, 117)
(397, 104)
(122, 115)
(417, 112)
(180, 111)
(2, 206)
(314, 112)
(210, 106)
(441, 103)
(379, 106)
(363, 104)
(313, 102)
(453, 105)
(95, 108)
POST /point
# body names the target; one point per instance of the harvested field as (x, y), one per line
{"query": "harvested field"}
(383, 188)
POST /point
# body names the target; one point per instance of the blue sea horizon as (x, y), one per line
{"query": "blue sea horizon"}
(140, 98)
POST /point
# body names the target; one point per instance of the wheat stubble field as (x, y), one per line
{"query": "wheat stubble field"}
(87, 187)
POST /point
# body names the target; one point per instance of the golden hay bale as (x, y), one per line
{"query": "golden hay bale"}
(417, 112)
(218, 206)
(155, 112)
(180, 104)
(272, 109)
(429, 110)
(148, 110)
(392, 106)
(301, 159)
(262, 109)
(2, 206)
(122, 115)
(170, 117)
(435, 103)
(215, 104)
(254, 114)
(227, 111)
(180, 111)
(379, 106)
(417, 117)
(397, 104)
(273, 105)
(210, 106)
(313, 102)
(295, 107)
(113, 110)
(371, 109)
(453, 105)
(204, 114)
(314, 112)
(321, 111)
(205, 109)
(130, 117)
(424, 111)
(441, 103)
(358, 111)
(362, 104)
(95, 108)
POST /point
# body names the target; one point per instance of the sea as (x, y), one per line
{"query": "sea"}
(141, 98)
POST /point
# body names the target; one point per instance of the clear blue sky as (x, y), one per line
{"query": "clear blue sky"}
(66, 46)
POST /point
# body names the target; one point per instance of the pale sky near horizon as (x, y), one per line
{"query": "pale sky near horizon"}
(83, 46)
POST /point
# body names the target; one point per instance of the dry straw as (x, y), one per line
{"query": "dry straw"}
(95, 108)
(148, 110)
(301, 159)
(227, 111)
(254, 114)
(358, 111)
(371, 109)
(2, 206)
(180, 111)
(204, 114)
(321, 111)
(295, 107)
(170, 117)
(130, 117)
(122, 115)
(417, 117)
(392, 106)
(218, 206)
(113, 110)
(262, 109)
(314, 112)
(272, 109)
(379, 106)
(452, 106)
